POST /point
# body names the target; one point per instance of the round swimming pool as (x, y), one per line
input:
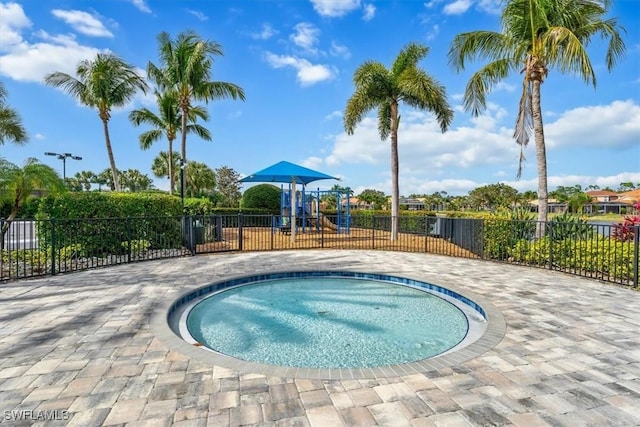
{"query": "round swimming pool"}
(328, 320)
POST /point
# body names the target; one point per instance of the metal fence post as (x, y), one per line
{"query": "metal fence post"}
(426, 233)
(549, 229)
(321, 232)
(53, 246)
(373, 231)
(128, 228)
(240, 231)
(273, 229)
(636, 252)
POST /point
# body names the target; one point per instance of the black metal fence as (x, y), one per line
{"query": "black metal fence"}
(45, 247)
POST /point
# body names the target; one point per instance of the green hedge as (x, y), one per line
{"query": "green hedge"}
(598, 255)
(108, 205)
(105, 223)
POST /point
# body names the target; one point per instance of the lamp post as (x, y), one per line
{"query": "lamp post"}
(63, 157)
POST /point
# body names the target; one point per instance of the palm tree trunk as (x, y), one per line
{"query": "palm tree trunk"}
(183, 153)
(395, 186)
(112, 162)
(541, 158)
(171, 178)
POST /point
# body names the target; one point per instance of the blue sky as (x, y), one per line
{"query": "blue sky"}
(295, 60)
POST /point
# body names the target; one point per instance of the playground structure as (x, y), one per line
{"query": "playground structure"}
(308, 216)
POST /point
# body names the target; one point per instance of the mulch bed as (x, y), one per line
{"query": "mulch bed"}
(264, 239)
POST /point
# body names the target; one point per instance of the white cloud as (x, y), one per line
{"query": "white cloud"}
(369, 12)
(13, 22)
(234, 115)
(458, 7)
(308, 73)
(432, 161)
(335, 8)
(312, 162)
(141, 5)
(25, 60)
(82, 22)
(265, 33)
(433, 33)
(201, 16)
(491, 6)
(613, 125)
(503, 86)
(39, 136)
(305, 36)
(32, 61)
(333, 115)
(339, 50)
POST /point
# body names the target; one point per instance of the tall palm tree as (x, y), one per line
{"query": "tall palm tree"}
(161, 166)
(385, 89)
(18, 183)
(105, 82)
(536, 36)
(11, 128)
(168, 122)
(185, 66)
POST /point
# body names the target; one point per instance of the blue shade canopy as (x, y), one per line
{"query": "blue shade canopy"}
(286, 172)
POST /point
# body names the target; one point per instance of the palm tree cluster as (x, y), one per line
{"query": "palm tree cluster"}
(536, 36)
(183, 77)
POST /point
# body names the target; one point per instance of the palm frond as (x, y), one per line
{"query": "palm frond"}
(384, 121)
(420, 90)
(147, 138)
(479, 44)
(199, 130)
(409, 57)
(357, 108)
(481, 83)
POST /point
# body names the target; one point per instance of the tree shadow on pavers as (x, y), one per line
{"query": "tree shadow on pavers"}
(54, 331)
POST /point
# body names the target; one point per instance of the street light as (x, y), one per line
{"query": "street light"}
(63, 157)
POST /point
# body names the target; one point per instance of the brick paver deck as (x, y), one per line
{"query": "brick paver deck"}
(80, 346)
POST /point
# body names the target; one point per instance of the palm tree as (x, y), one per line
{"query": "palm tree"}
(106, 178)
(385, 89)
(168, 123)
(537, 35)
(85, 179)
(161, 166)
(104, 83)
(199, 178)
(11, 128)
(17, 185)
(185, 66)
(135, 180)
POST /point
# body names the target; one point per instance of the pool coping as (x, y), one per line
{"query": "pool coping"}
(495, 331)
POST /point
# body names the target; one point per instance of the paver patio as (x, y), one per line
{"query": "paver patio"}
(81, 344)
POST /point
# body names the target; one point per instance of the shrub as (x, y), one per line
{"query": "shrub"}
(198, 206)
(99, 222)
(598, 255)
(262, 196)
(625, 230)
(139, 245)
(502, 230)
(567, 226)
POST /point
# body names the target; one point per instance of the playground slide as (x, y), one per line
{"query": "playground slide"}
(326, 223)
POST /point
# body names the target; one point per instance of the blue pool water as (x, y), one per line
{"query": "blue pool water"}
(327, 322)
